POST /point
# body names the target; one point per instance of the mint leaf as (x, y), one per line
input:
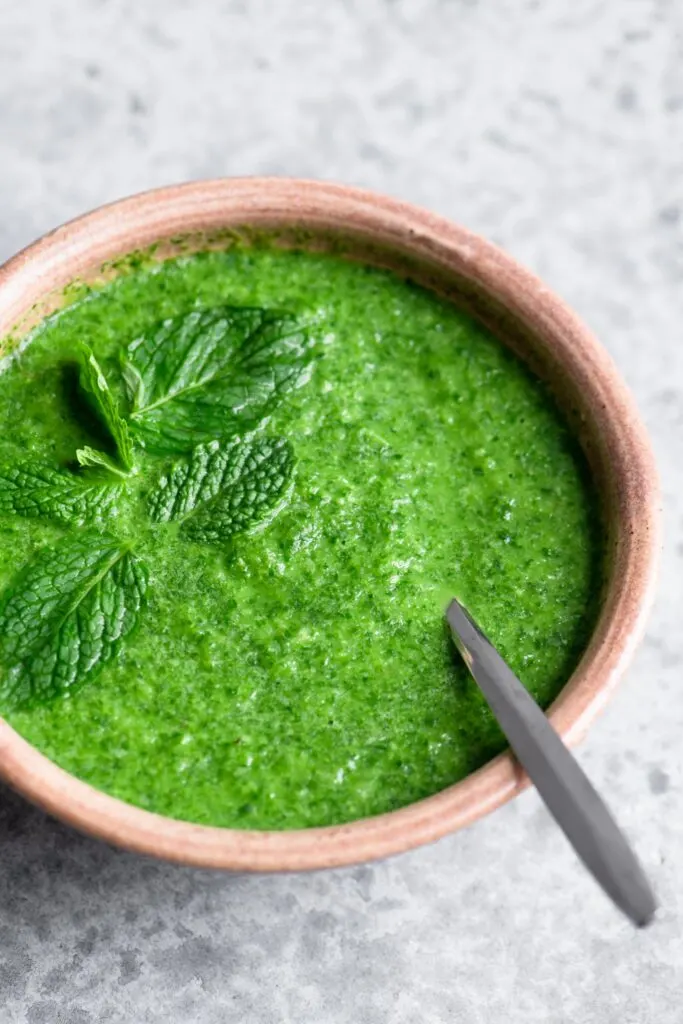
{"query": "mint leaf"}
(66, 616)
(93, 459)
(213, 373)
(94, 385)
(41, 492)
(221, 490)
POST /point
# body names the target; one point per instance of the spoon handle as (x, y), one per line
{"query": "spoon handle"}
(558, 777)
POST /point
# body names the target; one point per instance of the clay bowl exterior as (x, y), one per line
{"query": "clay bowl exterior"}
(522, 312)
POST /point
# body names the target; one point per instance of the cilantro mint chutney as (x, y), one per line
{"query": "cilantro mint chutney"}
(237, 490)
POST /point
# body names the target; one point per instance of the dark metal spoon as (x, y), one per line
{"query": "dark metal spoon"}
(569, 796)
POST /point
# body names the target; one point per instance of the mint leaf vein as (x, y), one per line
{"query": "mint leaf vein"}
(41, 492)
(95, 387)
(66, 616)
(213, 373)
(225, 489)
(91, 458)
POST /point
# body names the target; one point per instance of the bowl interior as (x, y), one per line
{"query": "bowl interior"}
(476, 276)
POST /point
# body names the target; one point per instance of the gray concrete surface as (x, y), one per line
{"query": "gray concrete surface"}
(555, 129)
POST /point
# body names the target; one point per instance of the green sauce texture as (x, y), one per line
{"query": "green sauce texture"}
(302, 674)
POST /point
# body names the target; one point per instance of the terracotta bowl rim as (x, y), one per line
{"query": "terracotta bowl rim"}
(64, 254)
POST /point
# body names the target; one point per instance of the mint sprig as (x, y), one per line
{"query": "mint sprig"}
(195, 383)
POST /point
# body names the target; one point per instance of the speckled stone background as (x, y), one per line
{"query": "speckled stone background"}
(555, 129)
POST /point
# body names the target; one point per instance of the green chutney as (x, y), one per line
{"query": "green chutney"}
(303, 675)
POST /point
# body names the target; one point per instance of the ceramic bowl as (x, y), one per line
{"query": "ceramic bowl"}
(522, 312)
